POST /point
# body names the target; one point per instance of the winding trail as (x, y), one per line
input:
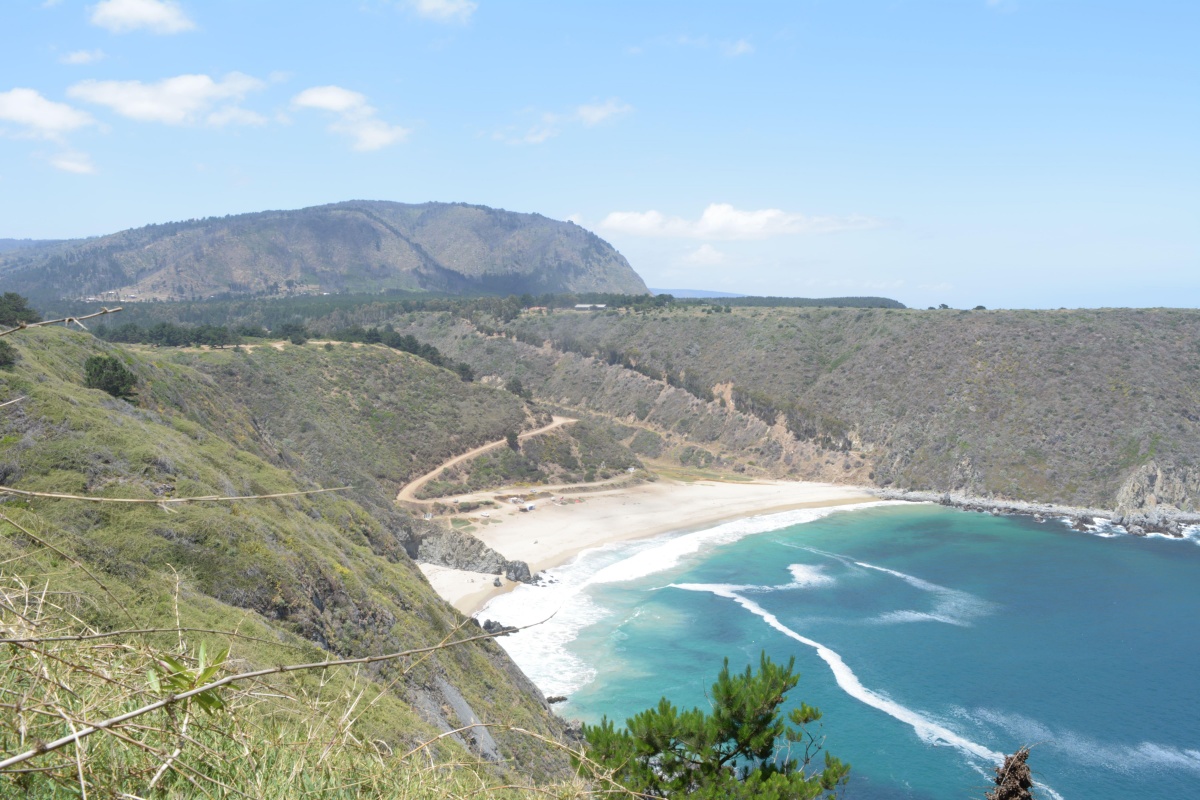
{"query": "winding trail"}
(408, 494)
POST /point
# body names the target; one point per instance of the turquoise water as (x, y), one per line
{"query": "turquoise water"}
(933, 640)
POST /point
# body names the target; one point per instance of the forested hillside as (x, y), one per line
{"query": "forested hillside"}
(1088, 407)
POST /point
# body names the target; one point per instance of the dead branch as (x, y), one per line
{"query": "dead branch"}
(112, 722)
(163, 501)
(73, 560)
(65, 320)
(87, 637)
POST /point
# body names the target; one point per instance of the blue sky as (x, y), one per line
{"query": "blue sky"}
(1009, 153)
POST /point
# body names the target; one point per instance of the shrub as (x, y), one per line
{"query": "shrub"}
(109, 374)
(8, 354)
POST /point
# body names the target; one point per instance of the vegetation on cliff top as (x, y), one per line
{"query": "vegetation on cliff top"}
(308, 577)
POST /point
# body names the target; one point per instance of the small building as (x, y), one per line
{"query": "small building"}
(590, 306)
(528, 507)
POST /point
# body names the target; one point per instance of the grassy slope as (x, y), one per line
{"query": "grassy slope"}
(316, 572)
(1047, 405)
(367, 416)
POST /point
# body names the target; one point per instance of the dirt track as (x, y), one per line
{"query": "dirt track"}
(408, 494)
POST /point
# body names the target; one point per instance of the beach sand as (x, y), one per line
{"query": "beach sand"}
(554, 534)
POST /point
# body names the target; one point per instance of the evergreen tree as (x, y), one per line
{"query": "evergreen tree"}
(743, 748)
(109, 374)
(14, 309)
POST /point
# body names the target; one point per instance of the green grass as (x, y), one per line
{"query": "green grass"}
(323, 573)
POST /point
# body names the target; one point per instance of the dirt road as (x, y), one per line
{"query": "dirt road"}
(409, 493)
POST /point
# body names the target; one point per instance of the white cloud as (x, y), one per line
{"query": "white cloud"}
(41, 118)
(705, 256)
(741, 47)
(596, 113)
(727, 48)
(721, 221)
(156, 16)
(181, 100)
(355, 117)
(82, 57)
(78, 163)
(232, 115)
(550, 124)
(445, 10)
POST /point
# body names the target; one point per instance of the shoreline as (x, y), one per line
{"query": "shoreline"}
(554, 534)
(1166, 521)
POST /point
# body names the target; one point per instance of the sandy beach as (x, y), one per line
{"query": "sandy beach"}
(553, 534)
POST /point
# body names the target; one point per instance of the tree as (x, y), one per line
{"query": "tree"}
(8, 354)
(514, 386)
(743, 748)
(109, 374)
(14, 309)
(294, 332)
(512, 440)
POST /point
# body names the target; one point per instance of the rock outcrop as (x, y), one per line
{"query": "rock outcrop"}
(460, 550)
(1153, 487)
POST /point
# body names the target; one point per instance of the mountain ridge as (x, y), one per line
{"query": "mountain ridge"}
(355, 245)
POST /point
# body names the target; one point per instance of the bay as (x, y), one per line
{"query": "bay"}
(933, 640)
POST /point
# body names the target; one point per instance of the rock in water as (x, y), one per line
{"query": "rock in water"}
(517, 571)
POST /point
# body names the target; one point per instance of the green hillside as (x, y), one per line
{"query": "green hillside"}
(309, 577)
(1088, 407)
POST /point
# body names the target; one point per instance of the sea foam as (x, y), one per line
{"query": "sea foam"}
(926, 729)
(561, 608)
(953, 606)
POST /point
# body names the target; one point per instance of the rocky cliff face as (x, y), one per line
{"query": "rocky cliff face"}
(1159, 487)
(356, 246)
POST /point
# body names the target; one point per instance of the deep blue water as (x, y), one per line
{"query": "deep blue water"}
(949, 637)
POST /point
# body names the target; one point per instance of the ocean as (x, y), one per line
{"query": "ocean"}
(933, 641)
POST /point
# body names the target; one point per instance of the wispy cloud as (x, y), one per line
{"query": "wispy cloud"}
(730, 48)
(721, 221)
(741, 47)
(82, 57)
(445, 10)
(40, 118)
(594, 113)
(549, 124)
(71, 161)
(182, 100)
(156, 16)
(353, 117)
(705, 256)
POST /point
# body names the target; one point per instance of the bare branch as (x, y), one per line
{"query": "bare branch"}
(163, 501)
(73, 560)
(66, 320)
(112, 722)
(10, 402)
(87, 637)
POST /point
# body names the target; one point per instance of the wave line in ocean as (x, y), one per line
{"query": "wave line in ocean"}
(926, 729)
